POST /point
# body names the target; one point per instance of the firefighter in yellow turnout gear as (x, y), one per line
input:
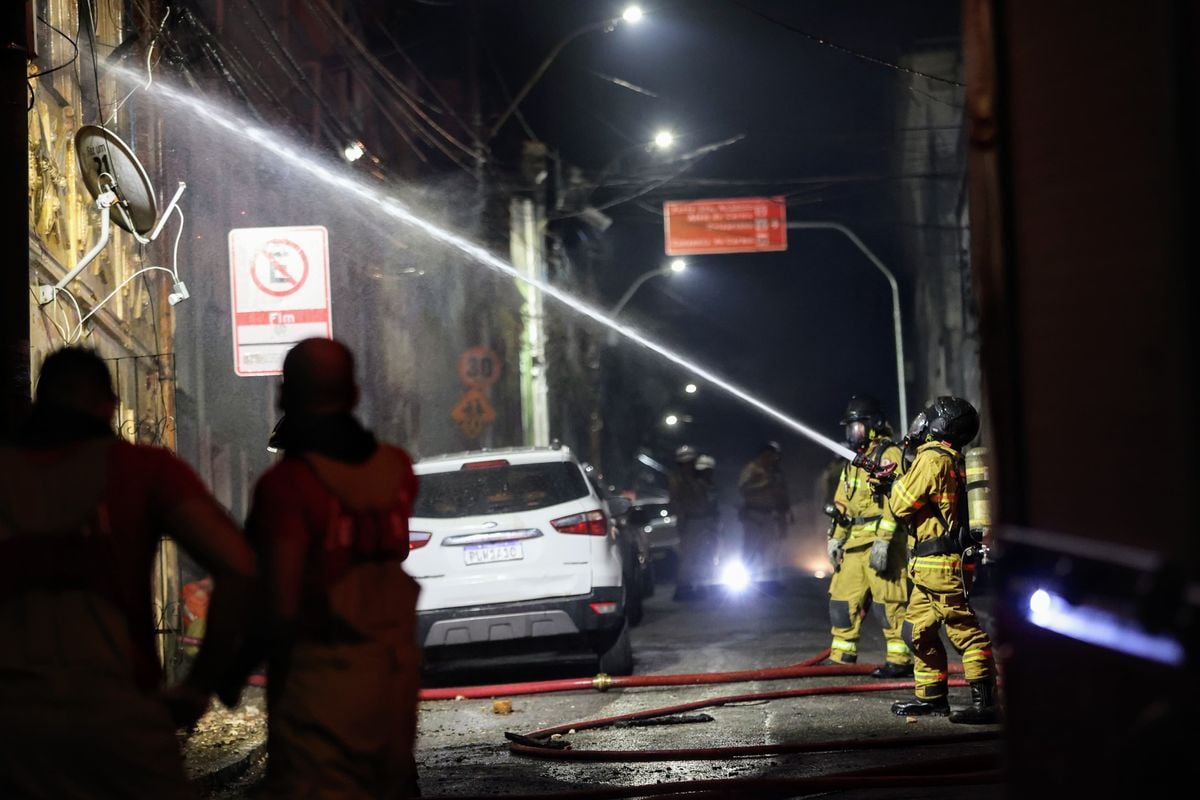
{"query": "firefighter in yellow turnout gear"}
(931, 495)
(866, 550)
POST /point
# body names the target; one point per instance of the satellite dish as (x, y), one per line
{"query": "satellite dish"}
(106, 162)
(115, 179)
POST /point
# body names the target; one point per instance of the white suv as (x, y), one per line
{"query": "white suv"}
(515, 547)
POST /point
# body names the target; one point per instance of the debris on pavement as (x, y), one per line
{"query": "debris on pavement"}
(674, 719)
(226, 741)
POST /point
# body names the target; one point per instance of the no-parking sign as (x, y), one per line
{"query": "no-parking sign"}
(279, 284)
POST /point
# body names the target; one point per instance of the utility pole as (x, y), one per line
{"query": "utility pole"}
(527, 221)
(16, 39)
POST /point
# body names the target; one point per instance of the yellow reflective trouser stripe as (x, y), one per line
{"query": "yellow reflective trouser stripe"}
(897, 647)
(888, 525)
(979, 654)
(844, 646)
(929, 676)
(938, 563)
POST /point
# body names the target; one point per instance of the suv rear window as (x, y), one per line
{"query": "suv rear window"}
(498, 490)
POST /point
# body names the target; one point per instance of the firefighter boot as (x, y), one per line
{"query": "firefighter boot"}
(890, 670)
(983, 710)
(917, 707)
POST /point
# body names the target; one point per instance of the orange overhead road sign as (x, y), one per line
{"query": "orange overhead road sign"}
(728, 225)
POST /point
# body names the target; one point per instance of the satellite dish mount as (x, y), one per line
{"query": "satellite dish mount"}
(116, 180)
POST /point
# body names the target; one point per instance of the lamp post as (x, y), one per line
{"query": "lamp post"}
(891, 279)
(663, 142)
(674, 268)
(632, 15)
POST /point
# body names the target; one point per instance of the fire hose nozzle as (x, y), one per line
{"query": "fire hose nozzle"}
(602, 682)
(874, 468)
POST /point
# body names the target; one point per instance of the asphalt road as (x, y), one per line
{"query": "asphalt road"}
(462, 750)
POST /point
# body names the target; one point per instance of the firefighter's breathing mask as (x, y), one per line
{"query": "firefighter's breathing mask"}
(857, 434)
(918, 432)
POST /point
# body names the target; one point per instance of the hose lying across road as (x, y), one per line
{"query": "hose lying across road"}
(962, 770)
(805, 669)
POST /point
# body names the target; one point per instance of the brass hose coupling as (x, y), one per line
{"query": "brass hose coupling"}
(602, 682)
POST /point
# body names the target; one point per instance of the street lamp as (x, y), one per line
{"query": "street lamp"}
(632, 15)
(674, 268)
(672, 420)
(662, 142)
(690, 388)
(891, 279)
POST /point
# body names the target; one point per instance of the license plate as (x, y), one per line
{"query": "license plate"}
(488, 553)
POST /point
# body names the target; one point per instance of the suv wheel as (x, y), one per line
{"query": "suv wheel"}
(618, 659)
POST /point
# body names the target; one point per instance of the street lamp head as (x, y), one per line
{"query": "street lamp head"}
(664, 139)
(671, 420)
(632, 14)
(678, 265)
(691, 388)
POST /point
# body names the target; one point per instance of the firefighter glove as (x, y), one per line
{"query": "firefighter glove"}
(835, 548)
(878, 559)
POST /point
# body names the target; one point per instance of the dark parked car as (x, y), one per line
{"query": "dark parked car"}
(654, 519)
(634, 547)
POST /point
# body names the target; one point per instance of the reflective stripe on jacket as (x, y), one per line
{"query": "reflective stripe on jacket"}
(927, 496)
(927, 493)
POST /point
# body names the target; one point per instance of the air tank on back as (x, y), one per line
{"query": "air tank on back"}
(978, 494)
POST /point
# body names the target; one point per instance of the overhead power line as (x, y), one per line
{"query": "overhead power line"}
(390, 82)
(821, 40)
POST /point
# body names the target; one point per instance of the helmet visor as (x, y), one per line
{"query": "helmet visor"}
(920, 425)
(856, 433)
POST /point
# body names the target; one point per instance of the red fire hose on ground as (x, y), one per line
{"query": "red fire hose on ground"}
(805, 669)
(969, 770)
(602, 682)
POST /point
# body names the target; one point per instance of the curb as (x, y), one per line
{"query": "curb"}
(230, 772)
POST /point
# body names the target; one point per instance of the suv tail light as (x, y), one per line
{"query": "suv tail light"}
(418, 539)
(589, 523)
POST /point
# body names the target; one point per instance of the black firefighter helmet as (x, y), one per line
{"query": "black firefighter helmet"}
(685, 454)
(952, 419)
(866, 410)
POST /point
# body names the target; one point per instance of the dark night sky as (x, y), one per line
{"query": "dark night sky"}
(807, 327)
